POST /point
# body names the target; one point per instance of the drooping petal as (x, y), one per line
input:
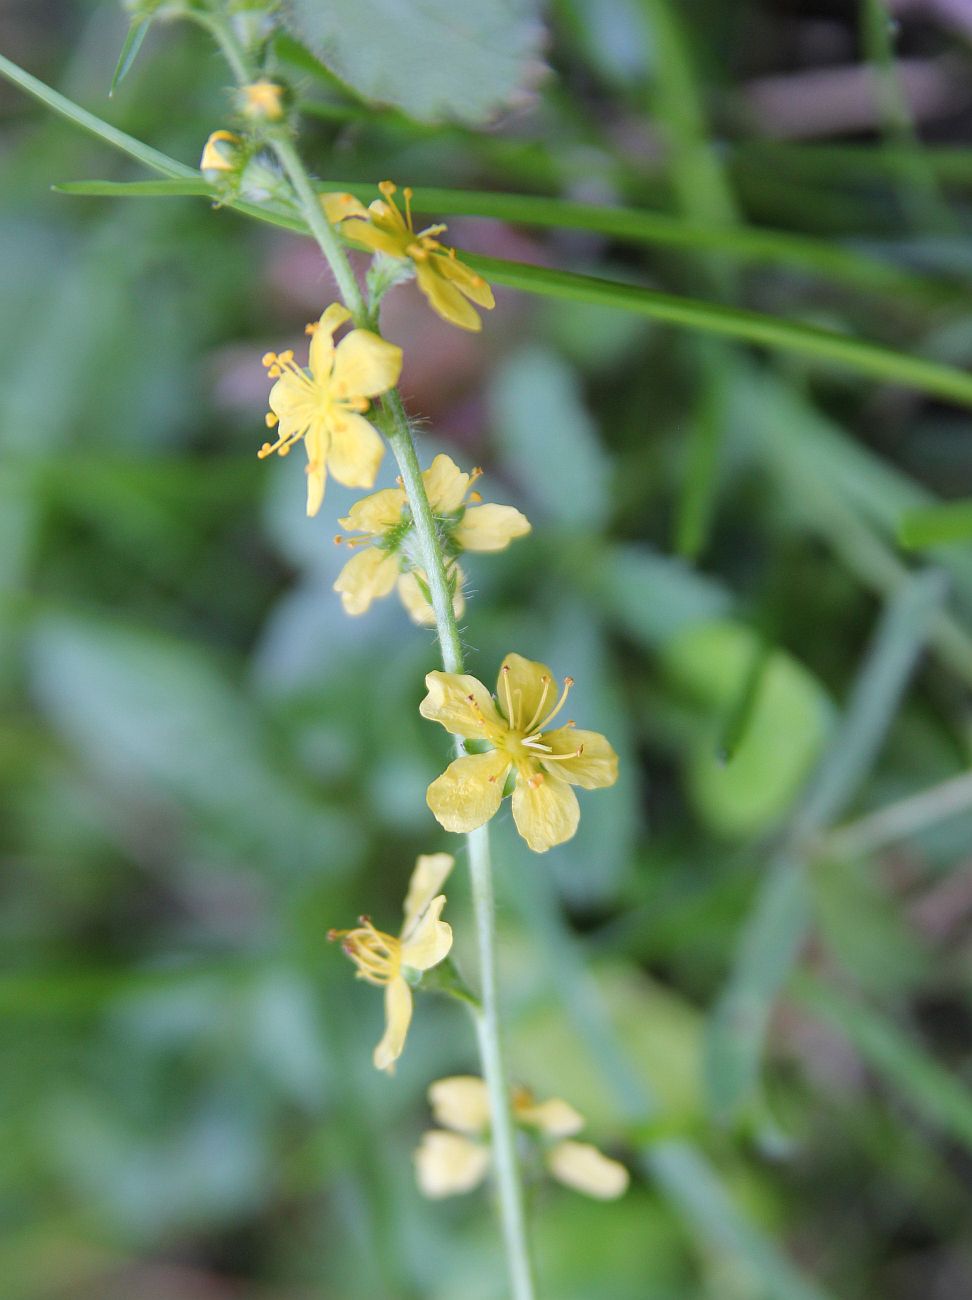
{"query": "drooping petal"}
(367, 576)
(356, 450)
(316, 446)
(490, 528)
(594, 767)
(398, 1017)
(525, 691)
(445, 485)
(581, 1166)
(447, 1164)
(367, 235)
(365, 365)
(430, 938)
(444, 298)
(461, 704)
(468, 281)
(545, 810)
(556, 1118)
(431, 870)
(414, 600)
(321, 355)
(469, 791)
(376, 513)
(339, 205)
(460, 1103)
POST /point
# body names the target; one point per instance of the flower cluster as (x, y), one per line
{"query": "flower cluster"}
(455, 1158)
(448, 284)
(508, 742)
(383, 522)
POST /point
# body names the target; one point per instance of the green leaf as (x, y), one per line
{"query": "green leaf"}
(787, 723)
(937, 525)
(780, 915)
(137, 31)
(899, 368)
(549, 439)
(184, 187)
(437, 60)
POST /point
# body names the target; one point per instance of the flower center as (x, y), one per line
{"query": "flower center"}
(315, 398)
(378, 956)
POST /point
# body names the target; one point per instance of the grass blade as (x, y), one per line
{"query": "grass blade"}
(780, 917)
(137, 31)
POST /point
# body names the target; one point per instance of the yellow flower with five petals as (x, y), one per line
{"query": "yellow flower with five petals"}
(382, 959)
(324, 404)
(384, 524)
(545, 764)
(449, 285)
(455, 1158)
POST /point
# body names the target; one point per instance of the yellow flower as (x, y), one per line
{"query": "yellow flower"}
(384, 523)
(446, 282)
(545, 763)
(323, 404)
(455, 1158)
(381, 959)
(262, 101)
(220, 153)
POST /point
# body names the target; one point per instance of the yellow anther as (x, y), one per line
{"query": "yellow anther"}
(265, 451)
(310, 327)
(475, 497)
(285, 358)
(388, 188)
(268, 358)
(271, 420)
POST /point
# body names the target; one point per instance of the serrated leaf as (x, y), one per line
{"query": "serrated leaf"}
(459, 60)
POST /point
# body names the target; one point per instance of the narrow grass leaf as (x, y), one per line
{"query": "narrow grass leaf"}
(780, 916)
(137, 31)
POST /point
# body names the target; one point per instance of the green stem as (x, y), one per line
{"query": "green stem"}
(397, 430)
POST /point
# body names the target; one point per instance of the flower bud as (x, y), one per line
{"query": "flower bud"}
(263, 101)
(221, 155)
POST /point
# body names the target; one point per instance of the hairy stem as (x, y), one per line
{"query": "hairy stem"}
(399, 435)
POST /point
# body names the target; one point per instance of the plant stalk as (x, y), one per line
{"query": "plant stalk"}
(487, 1016)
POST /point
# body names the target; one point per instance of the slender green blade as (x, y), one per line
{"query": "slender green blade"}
(780, 916)
(134, 37)
(143, 153)
(184, 187)
(734, 322)
(937, 525)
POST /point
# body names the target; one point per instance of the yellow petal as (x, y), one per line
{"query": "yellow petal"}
(430, 938)
(376, 513)
(525, 691)
(461, 1103)
(583, 1167)
(555, 1118)
(413, 597)
(469, 791)
(315, 445)
(597, 764)
(490, 528)
(294, 404)
(367, 235)
(447, 1164)
(545, 810)
(460, 703)
(445, 485)
(398, 1017)
(321, 355)
(431, 870)
(470, 282)
(367, 576)
(355, 451)
(444, 298)
(365, 365)
(339, 205)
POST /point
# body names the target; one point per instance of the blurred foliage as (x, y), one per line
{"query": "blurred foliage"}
(205, 764)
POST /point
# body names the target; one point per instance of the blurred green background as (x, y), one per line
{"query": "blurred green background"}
(206, 765)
